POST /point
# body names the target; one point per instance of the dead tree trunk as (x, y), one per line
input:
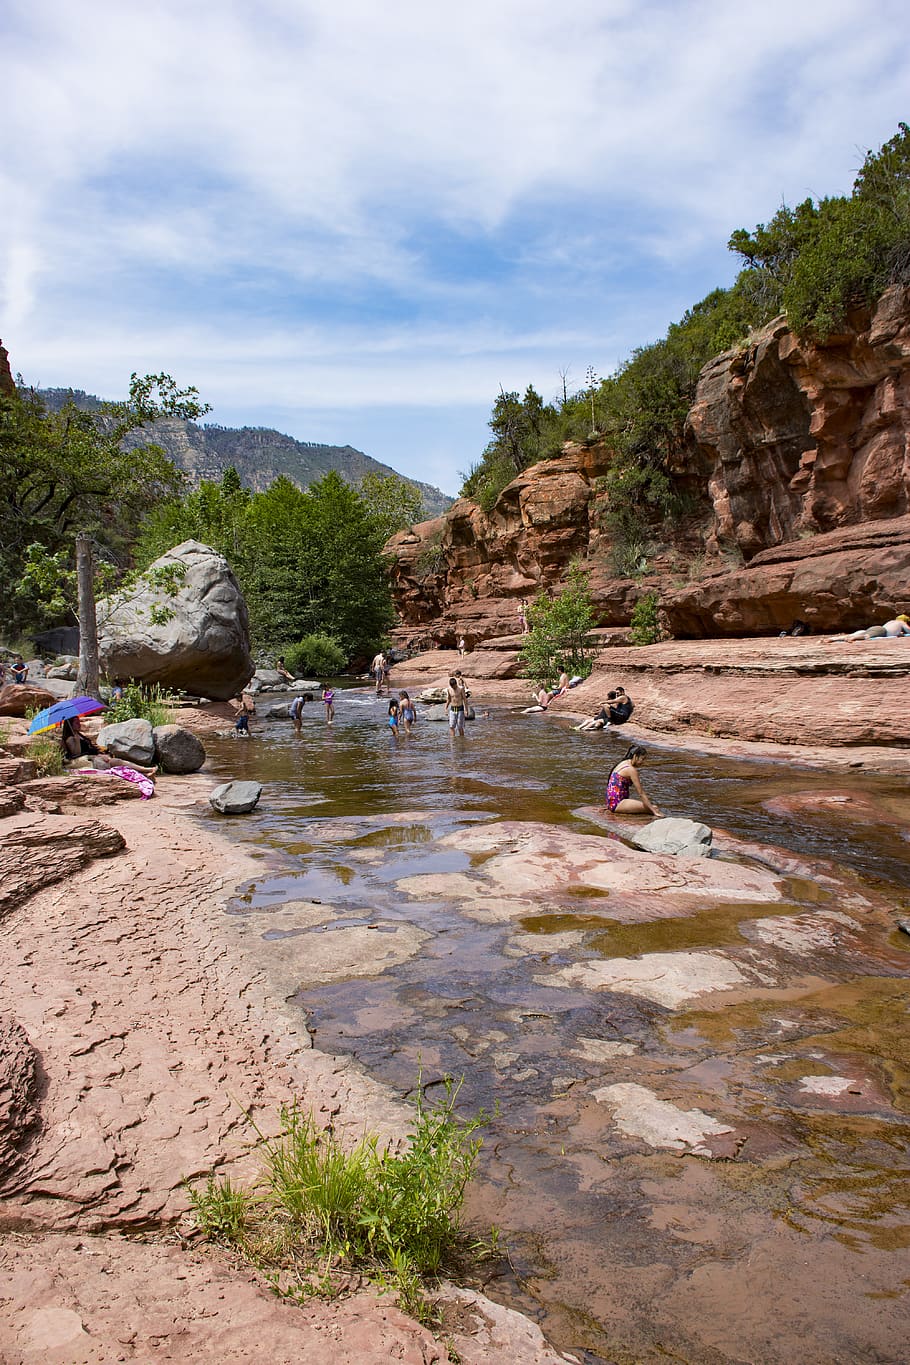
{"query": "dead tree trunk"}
(88, 681)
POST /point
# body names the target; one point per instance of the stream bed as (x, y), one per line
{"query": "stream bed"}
(697, 1071)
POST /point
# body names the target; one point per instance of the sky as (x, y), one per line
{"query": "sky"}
(358, 222)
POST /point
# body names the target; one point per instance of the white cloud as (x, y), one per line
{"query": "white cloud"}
(218, 189)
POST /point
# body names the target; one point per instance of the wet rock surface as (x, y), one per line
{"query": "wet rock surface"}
(697, 1061)
(235, 798)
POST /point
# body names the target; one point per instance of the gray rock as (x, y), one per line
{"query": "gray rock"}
(178, 750)
(36, 668)
(235, 798)
(433, 694)
(58, 687)
(434, 713)
(129, 739)
(269, 679)
(279, 710)
(687, 838)
(203, 645)
(303, 685)
(67, 671)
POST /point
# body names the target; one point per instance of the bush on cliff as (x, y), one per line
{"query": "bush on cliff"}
(560, 632)
(645, 620)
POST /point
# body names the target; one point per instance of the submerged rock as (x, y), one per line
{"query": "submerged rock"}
(235, 798)
(685, 838)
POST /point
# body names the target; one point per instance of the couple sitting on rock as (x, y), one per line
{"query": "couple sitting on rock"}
(616, 710)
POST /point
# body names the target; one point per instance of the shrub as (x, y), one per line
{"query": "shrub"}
(645, 620)
(318, 655)
(319, 1210)
(154, 704)
(46, 751)
(559, 635)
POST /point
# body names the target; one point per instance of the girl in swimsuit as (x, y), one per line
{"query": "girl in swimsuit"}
(393, 715)
(407, 712)
(623, 777)
(328, 699)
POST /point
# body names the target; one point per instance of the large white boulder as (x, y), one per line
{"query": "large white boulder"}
(672, 834)
(196, 639)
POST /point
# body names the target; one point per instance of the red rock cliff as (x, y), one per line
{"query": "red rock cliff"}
(790, 445)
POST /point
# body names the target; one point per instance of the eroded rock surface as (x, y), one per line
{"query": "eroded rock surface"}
(37, 851)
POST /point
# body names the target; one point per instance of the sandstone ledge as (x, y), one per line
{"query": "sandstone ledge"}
(835, 703)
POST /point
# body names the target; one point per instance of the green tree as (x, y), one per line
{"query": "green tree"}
(66, 471)
(392, 502)
(560, 631)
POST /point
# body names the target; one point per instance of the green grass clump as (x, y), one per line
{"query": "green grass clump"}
(320, 1214)
(154, 704)
(46, 751)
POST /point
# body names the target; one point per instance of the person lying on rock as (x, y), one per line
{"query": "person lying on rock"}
(623, 777)
(891, 630)
(81, 752)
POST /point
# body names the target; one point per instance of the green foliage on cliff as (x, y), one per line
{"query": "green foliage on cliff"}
(560, 631)
(815, 262)
(308, 562)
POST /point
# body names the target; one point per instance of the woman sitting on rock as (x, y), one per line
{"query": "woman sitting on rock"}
(623, 777)
(81, 752)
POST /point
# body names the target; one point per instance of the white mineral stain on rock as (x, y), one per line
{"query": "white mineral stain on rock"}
(600, 1050)
(638, 1112)
(802, 933)
(825, 1085)
(666, 978)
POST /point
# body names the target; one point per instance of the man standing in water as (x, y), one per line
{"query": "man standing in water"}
(378, 668)
(455, 705)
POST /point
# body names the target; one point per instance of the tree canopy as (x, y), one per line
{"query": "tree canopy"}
(66, 471)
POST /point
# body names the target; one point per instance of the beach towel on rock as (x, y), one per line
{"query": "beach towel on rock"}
(145, 784)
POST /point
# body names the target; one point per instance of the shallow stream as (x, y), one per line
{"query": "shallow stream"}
(622, 1251)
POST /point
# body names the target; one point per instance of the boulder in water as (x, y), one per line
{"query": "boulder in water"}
(195, 638)
(686, 838)
(235, 798)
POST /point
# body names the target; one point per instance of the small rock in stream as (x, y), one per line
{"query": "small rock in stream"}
(235, 798)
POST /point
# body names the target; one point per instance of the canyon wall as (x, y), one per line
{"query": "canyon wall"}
(797, 457)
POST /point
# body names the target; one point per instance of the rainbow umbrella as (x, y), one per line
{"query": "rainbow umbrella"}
(64, 710)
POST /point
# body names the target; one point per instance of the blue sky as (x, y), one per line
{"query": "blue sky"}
(356, 222)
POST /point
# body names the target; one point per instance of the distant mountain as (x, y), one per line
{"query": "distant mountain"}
(259, 454)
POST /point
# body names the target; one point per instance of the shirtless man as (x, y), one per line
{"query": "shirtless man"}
(455, 705)
(378, 670)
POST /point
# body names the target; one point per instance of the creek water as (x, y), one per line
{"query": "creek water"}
(621, 1254)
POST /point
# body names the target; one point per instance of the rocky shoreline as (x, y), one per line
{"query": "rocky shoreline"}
(137, 1044)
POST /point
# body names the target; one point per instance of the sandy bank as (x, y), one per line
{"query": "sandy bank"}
(153, 1038)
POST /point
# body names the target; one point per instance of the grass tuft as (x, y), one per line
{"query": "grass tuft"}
(321, 1216)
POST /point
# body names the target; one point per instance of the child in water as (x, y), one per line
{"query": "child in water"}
(393, 715)
(328, 701)
(407, 712)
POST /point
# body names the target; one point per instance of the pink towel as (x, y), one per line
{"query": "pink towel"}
(145, 784)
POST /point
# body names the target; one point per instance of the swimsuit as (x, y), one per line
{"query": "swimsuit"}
(618, 789)
(409, 714)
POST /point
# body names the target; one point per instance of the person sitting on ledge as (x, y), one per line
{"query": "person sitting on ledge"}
(541, 700)
(19, 669)
(891, 630)
(282, 668)
(616, 710)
